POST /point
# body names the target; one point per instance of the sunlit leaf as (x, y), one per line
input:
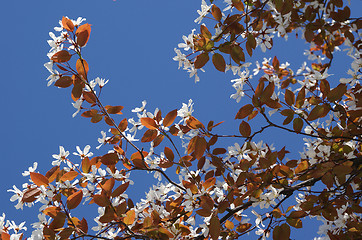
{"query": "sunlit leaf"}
(74, 200)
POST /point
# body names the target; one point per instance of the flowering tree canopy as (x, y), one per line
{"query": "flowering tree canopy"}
(212, 185)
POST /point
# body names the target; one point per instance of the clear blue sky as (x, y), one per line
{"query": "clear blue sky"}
(131, 44)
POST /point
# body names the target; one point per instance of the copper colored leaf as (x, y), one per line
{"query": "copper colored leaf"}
(251, 41)
(61, 56)
(108, 185)
(273, 104)
(137, 155)
(82, 67)
(67, 24)
(30, 195)
(52, 211)
(114, 109)
(328, 179)
(337, 93)
(267, 93)
(149, 123)
(216, 12)
(281, 232)
(237, 54)
(204, 212)
(219, 62)
(39, 179)
(74, 200)
(86, 165)
(123, 125)
(295, 222)
(83, 33)
(244, 129)
(5, 236)
(64, 82)
(149, 135)
(83, 225)
(110, 159)
(193, 123)
(218, 151)
(325, 87)
(52, 173)
(130, 217)
(169, 118)
(69, 176)
(200, 147)
(214, 228)
(96, 118)
(238, 4)
(89, 97)
(300, 98)
(48, 234)
(205, 32)
(297, 125)
(209, 182)
(229, 224)
(201, 60)
(77, 91)
(243, 227)
(169, 154)
(289, 97)
(139, 163)
(101, 200)
(244, 111)
(120, 189)
(316, 113)
(158, 140)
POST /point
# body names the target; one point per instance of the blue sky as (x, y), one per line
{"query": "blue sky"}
(131, 44)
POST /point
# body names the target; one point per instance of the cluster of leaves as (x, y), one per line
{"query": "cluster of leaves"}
(218, 186)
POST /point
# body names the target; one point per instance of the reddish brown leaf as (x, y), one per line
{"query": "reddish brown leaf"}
(74, 200)
(114, 109)
(110, 159)
(101, 200)
(67, 24)
(89, 97)
(69, 176)
(237, 54)
(244, 111)
(289, 97)
(337, 93)
(149, 135)
(123, 125)
(61, 56)
(83, 33)
(30, 195)
(281, 232)
(316, 113)
(120, 189)
(201, 60)
(158, 140)
(169, 154)
(219, 62)
(214, 228)
(216, 12)
(64, 82)
(82, 67)
(193, 123)
(200, 147)
(244, 129)
(149, 123)
(39, 179)
(298, 125)
(169, 118)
